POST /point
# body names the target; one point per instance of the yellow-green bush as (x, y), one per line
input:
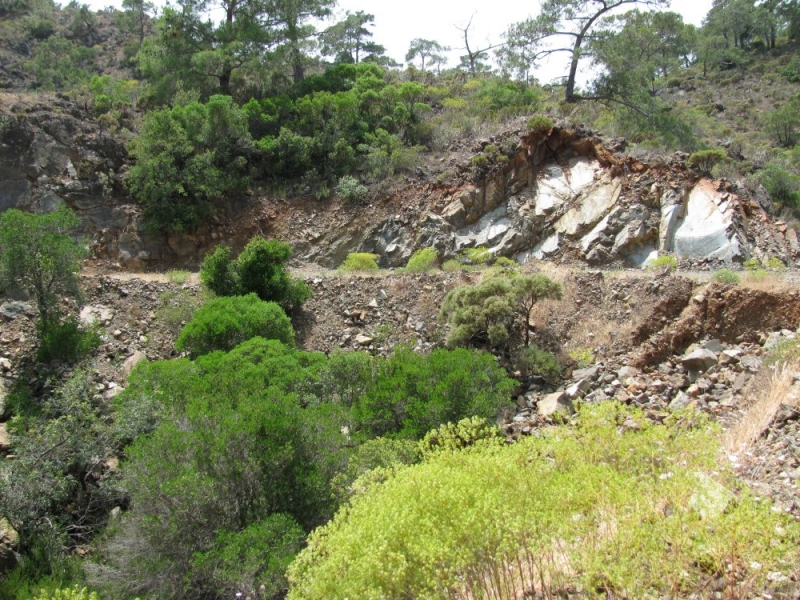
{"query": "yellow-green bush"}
(359, 261)
(662, 262)
(615, 503)
(422, 260)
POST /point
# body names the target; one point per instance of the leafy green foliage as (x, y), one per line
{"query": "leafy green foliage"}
(725, 276)
(781, 184)
(705, 160)
(783, 124)
(540, 124)
(259, 269)
(583, 356)
(187, 157)
(662, 262)
(486, 313)
(359, 261)
(55, 493)
(379, 453)
(752, 264)
(60, 64)
(110, 94)
(64, 341)
(643, 511)
(350, 189)
(453, 437)
(422, 260)
(38, 254)
(73, 593)
(225, 322)
(411, 393)
(532, 360)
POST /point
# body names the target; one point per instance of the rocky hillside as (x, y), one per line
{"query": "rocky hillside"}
(558, 195)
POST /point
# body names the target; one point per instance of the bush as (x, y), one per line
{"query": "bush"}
(259, 269)
(535, 361)
(422, 260)
(642, 511)
(662, 262)
(224, 323)
(752, 264)
(725, 276)
(782, 185)
(65, 341)
(476, 256)
(178, 276)
(784, 123)
(350, 189)
(187, 157)
(705, 160)
(583, 356)
(540, 124)
(359, 261)
(773, 262)
(451, 265)
(453, 437)
(73, 593)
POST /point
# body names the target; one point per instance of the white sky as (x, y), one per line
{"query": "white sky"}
(397, 22)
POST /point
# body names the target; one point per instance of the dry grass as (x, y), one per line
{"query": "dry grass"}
(771, 282)
(778, 389)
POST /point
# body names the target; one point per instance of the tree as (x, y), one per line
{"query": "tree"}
(486, 313)
(424, 50)
(187, 157)
(39, 255)
(136, 17)
(259, 269)
(473, 59)
(570, 20)
(350, 41)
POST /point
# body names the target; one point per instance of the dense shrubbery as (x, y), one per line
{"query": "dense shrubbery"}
(187, 157)
(260, 269)
(359, 261)
(642, 511)
(224, 323)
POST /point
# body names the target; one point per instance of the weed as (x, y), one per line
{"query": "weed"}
(662, 262)
(179, 276)
(725, 276)
(583, 356)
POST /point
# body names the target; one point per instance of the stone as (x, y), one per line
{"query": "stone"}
(714, 345)
(704, 229)
(773, 339)
(749, 362)
(5, 439)
(681, 400)
(699, 360)
(131, 362)
(373, 303)
(578, 389)
(97, 313)
(555, 402)
(627, 372)
(363, 340)
(588, 373)
(11, 310)
(710, 498)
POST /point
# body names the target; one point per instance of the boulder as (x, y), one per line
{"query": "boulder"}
(553, 403)
(131, 362)
(699, 360)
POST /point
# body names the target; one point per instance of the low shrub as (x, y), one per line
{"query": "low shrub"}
(583, 356)
(73, 593)
(725, 276)
(662, 262)
(586, 508)
(178, 276)
(452, 437)
(476, 256)
(752, 264)
(65, 341)
(359, 261)
(350, 189)
(422, 260)
(451, 265)
(535, 361)
(705, 160)
(224, 323)
(773, 262)
(540, 124)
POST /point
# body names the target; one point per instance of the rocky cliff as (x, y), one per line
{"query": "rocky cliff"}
(559, 195)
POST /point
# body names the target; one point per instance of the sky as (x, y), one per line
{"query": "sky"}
(397, 22)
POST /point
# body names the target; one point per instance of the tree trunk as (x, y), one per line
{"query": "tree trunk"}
(225, 82)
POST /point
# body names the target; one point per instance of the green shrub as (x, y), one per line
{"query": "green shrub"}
(259, 269)
(752, 264)
(73, 593)
(176, 309)
(451, 265)
(359, 261)
(783, 123)
(643, 511)
(422, 260)
(757, 274)
(539, 124)
(380, 453)
(705, 160)
(773, 262)
(65, 341)
(412, 393)
(476, 256)
(350, 189)
(583, 356)
(452, 437)
(782, 185)
(535, 361)
(662, 262)
(725, 276)
(178, 276)
(225, 322)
